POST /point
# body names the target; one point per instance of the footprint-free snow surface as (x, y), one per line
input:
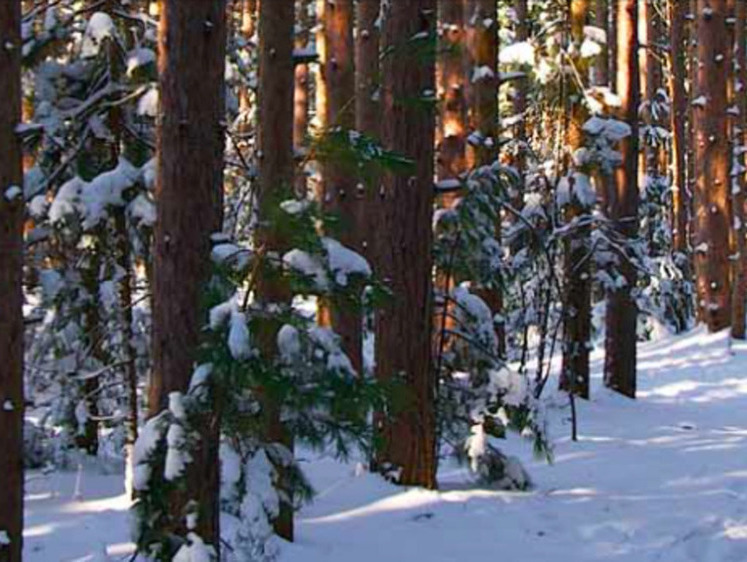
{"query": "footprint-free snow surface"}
(660, 478)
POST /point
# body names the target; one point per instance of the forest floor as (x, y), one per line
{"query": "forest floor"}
(660, 478)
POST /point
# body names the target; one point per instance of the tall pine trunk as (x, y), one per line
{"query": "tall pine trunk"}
(192, 44)
(574, 375)
(11, 296)
(678, 76)
(621, 320)
(738, 194)
(275, 136)
(301, 93)
(367, 107)
(712, 164)
(337, 190)
(481, 20)
(403, 327)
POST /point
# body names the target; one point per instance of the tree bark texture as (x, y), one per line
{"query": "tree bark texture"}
(403, 327)
(192, 40)
(276, 168)
(621, 319)
(712, 165)
(11, 296)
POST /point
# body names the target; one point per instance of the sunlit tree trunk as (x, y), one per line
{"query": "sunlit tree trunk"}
(11, 296)
(403, 326)
(301, 92)
(192, 41)
(712, 164)
(601, 65)
(577, 318)
(621, 319)
(275, 138)
(337, 189)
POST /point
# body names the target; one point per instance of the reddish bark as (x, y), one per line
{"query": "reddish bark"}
(11, 296)
(621, 320)
(192, 38)
(275, 136)
(738, 196)
(712, 164)
(403, 327)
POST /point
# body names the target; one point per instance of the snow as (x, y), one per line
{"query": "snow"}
(176, 457)
(4, 538)
(307, 265)
(138, 58)
(199, 378)
(289, 342)
(661, 478)
(147, 105)
(344, 262)
(105, 190)
(12, 192)
(99, 27)
(521, 52)
(238, 336)
(195, 550)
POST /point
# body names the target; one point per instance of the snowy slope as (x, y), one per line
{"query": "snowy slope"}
(662, 478)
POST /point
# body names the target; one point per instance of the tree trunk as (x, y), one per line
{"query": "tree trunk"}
(621, 320)
(601, 65)
(275, 139)
(337, 189)
(301, 94)
(450, 138)
(192, 39)
(11, 295)
(738, 193)
(712, 163)
(403, 327)
(574, 375)
(367, 107)
(450, 76)
(482, 43)
(678, 93)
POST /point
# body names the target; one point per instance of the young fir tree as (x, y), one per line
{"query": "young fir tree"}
(621, 319)
(712, 220)
(11, 297)
(192, 43)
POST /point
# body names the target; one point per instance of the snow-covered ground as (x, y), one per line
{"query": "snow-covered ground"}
(660, 478)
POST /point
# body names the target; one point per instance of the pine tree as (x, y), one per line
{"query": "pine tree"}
(367, 107)
(739, 251)
(481, 20)
(712, 164)
(276, 169)
(677, 86)
(621, 319)
(302, 91)
(11, 297)
(192, 39)
(577, 318)
(403, 326)
(338, 192)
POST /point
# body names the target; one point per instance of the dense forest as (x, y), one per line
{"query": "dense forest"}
(240, 239)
